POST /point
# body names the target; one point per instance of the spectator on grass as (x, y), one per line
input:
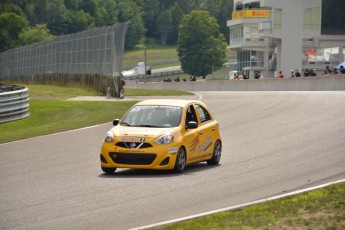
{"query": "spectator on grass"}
(122, 84)
(192, 78)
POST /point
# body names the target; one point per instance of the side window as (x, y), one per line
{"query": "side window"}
(191, 115)
(203, 114)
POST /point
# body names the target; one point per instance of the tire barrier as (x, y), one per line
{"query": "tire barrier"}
(14, 103)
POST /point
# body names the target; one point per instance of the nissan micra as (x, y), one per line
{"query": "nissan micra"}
(163, 135)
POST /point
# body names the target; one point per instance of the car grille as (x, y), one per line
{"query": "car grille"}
(133, 145)
(132, 158)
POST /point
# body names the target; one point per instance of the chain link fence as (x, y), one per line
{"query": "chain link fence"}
(97, 51)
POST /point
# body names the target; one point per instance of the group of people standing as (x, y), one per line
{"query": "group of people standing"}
(311, 72)
(334, 70)
(307, 73)
(177, 79)
(296, 73)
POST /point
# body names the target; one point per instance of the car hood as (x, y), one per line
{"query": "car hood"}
(124, 131)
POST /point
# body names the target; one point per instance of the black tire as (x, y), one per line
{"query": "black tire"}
(108, 170)
(217, 153)
(180, 162)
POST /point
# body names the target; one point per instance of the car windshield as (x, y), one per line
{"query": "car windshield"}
(159, 116)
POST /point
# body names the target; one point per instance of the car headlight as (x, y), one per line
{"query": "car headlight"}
(109, 137)
(166, 138)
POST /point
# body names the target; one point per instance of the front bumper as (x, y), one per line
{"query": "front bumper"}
(161, 157)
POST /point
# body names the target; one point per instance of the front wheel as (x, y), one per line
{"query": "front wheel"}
(108, 170)
(217, 152)
(180, 162)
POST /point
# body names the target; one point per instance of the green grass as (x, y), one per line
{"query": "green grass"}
(319, 209)
(53, 92)
(159, 56)
(154, 54)
(50, 112)
(51, 116)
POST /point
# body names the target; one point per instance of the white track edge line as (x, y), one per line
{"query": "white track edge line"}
(239, 206)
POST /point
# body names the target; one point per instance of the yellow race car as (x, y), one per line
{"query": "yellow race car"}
(162, 134)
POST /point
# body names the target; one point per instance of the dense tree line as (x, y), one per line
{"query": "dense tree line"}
(151, 19)
(333, 17)
(26, 21)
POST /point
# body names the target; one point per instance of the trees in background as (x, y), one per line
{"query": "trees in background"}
(333, 17)
(159, 24)
(38, 33)
(129, 11)
(154, 19)
(201, 47)
(12, 22)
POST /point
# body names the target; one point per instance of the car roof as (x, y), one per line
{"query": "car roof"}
(173, 102)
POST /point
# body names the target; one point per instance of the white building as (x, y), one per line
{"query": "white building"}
(281, 35)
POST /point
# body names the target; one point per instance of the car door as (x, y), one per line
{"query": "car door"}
(206, 130)
(191, 140)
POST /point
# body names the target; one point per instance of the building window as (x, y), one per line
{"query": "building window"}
(256, 59)
(243, 59)
(251, 33)
(312, 18)
(319, 58)
(248, 58)
(277, 19)
(236, 35)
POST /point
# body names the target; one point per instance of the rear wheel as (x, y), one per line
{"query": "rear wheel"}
(180, 162)
(217, 152)
(108, 170)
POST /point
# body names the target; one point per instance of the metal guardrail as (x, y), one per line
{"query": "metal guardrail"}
(14, 103)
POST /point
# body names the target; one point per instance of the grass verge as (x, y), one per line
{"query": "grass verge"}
(51, 113)
(51, 116)
(154, 54)
(319, 209)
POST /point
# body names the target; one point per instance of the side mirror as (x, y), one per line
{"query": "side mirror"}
(116, 122)
(192, 125)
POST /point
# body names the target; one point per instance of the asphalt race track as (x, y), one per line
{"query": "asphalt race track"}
(273, 143)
